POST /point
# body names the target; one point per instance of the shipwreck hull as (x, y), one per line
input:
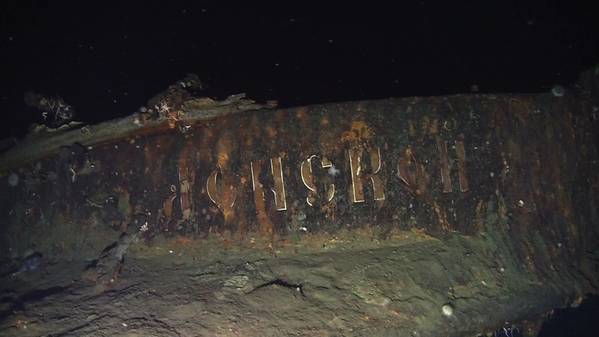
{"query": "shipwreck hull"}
(509, 179)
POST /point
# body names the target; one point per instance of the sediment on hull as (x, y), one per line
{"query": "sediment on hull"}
(506, 181)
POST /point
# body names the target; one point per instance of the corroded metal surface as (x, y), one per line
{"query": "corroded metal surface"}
(436, 164)
(504, 185)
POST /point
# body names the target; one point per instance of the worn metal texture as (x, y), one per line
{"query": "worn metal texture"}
(430, 163)
(507, 182)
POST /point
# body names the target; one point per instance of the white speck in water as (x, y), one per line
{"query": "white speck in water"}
(558, 91)
(333, 171)
(520, 203)
(13, 179)
(447, 310)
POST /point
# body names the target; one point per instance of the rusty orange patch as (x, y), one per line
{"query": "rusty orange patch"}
(359, 131)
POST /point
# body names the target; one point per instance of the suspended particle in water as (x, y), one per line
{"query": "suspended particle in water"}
(13, 179)
(558, 91)
(447, 310)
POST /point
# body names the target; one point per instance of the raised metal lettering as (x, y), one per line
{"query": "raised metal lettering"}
(278, 190)
(355, 168)
(376, 162)
(223, 197)
(444, 165)
(357, 174)
(308, 179)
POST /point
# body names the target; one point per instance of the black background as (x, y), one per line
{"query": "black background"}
(108, 58)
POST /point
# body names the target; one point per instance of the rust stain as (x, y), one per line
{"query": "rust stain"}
(186, 170)
(412, 174)
(183, 241)
(521, 108)
(480, 213)
(271, 131)
(569, 127)
(224, 148)
(242, 221)
(324, 121)
(266, 226)
(206, 146)
(359, 132)
(167, 207)
(328, 138)
(302, 115)
(223, 194)
(461, 153)
(434, 126)
(441, 217)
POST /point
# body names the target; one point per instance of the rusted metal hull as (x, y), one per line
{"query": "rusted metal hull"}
(429, 163)
(521, 169)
